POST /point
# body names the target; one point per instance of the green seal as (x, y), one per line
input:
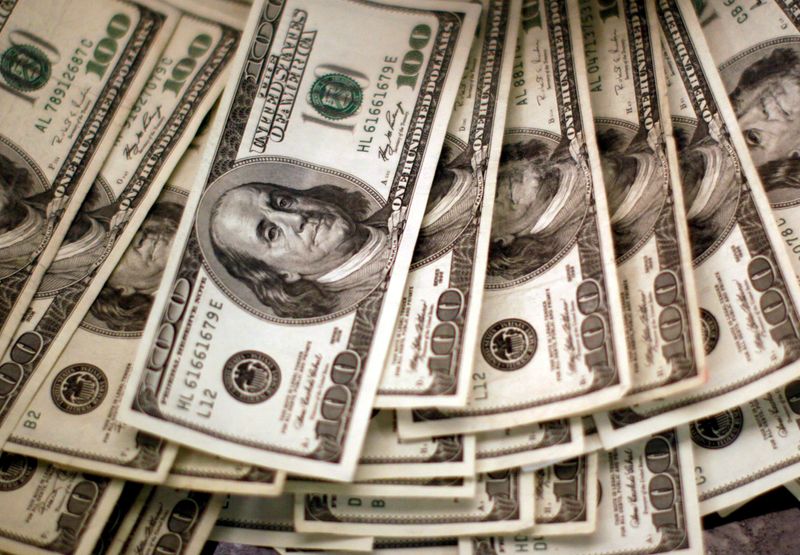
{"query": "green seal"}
(336, 96)
(25, 67)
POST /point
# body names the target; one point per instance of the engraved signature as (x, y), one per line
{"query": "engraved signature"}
(149, 120)
(393, 143)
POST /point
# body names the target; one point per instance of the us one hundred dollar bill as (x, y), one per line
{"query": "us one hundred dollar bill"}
(68, 82)
(645, 201)
(431, 355)
(530, 445)
(95, 281)
(566, 497)
(166, 520)
(757, 52)
(503, 502)
(194, 470)
(278, 304)
(47, 509)
(552, 308)
(436, 487)
(269, 522)
(746, 288)
(72, 419)
(648, 505)
(744, 451)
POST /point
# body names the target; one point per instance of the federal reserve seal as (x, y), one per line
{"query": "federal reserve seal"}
(251, 377)
(718, 431)
(25, 67)
(335, 96)
(15, 471)
(509, 344)
(709, 329)
(79, 388)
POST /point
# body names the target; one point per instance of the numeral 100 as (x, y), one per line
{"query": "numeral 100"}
(106, 49)
(413, 59)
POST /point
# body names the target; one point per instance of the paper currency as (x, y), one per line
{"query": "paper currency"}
(793, 487)
(386, 456)
(503, 501)
(534, 444)
(566, 497)
(68, 82)
(166, 520)
(746, 288)
(431, 355)
(202, 472)
(278, 306)
(48, 509)
(551, 314)
(747, 450)
(648, 505)
(121, 519)
(757, 52)
(94, 274)
(267, 522)
(94, 439)
(454, 486)
(416, 546)
(645, 201)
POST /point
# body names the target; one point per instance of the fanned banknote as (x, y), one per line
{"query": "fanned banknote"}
(415, 546)
(757, 52)
(566, 497)
(47, 509)
(747, 290)
(648, 505)
(551, 317)
(68, 81)
(503, 501)
(530, 445)
(166, 520)
(182, 88)
(269, 522)
(744, 451)
(645, 200)
(431, 355)
(437, 488)
(277, 308)
(203, 472)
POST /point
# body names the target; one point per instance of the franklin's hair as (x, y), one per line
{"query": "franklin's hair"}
(128, 312)
(525, 253)
(15, 185)
(303, 298)
(781, 62)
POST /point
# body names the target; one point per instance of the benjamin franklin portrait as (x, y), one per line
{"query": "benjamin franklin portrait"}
(124, 302)
(22, 215)
(540, 202)
(710, 186)
(301, 252)
(765, 93)
(636, 187)
(451, 204)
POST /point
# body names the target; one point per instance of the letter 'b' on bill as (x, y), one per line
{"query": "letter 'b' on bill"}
(278, 307)
(431, 356)
(551, 317)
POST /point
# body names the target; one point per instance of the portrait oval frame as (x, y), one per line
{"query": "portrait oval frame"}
(283, 171)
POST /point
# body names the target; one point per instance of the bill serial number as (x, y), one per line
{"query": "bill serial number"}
(376, 104)
(63, 84)
(197, 359)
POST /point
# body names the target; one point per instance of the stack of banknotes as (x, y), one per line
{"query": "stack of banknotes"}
(411, 276)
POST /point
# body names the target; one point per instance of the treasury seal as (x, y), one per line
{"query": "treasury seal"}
(335, 96)
(709, 329)
(15, 470)
(79, 388)
(25, 67)
(509, 344)
(718, 431)
(251, 377)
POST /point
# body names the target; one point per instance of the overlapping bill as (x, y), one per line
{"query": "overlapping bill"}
(68, 82)
(551, 332)
(746, 288)
(293, 252)
(567, 497)
(431, 355)
(194, 470)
